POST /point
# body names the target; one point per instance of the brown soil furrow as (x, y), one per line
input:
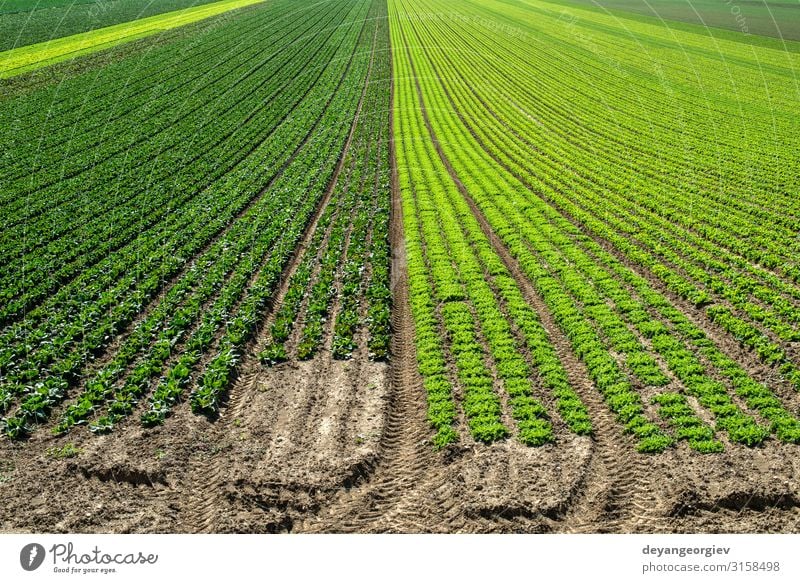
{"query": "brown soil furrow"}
(317, 394)
(204, 496)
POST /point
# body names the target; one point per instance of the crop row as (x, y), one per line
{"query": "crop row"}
(220, 306)
(28, 58)
(42, 22)
(217, 373)
(134, 272)
(694, 264)
(571, 272)
(473, 330)
(586, 342)
(51, 112)
(126, 192)
(347, 263)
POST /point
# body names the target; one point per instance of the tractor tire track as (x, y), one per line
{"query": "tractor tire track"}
(406, 457)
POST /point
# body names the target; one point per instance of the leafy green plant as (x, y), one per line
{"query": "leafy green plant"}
(68, 450)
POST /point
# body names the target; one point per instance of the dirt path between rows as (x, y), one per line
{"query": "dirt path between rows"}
(405, 453)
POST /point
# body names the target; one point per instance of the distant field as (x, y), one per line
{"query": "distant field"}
(26, 22)
(9, 6)
(27, 58)
(755, 17)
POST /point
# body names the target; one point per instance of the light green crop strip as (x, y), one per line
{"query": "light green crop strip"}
(28, 58)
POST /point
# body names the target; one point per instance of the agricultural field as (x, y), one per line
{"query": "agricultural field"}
(768, 18)
(27, 22)
(35, 56)
(404, 266)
